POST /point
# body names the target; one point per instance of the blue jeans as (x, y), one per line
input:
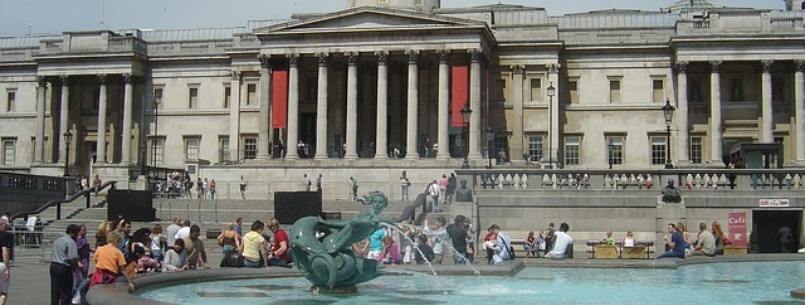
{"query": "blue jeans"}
(404, 192)
(433, 202)
(672, 254)
(250, 264)
(460, 258)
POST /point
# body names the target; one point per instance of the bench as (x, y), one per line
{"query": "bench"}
(735, 250)
(606, 252)
(639, 251)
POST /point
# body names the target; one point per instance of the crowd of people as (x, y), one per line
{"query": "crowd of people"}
(549, 242)
(180, 185)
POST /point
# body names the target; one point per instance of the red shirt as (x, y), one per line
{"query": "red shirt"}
(279, 237)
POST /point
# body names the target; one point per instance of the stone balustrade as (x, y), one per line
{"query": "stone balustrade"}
(690, 179)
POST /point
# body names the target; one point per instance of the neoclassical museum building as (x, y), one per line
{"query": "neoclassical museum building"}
(407, 84)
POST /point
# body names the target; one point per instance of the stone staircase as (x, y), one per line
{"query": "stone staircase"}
(210, 215)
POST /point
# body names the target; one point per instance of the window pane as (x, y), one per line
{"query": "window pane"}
(614, 91)
(535, 148)
(658, 93)
(191, 148)
(8, 152)
(157, 151)
(658, 150)
(573, 87)
(11, 100)
(193, 103)
(572, 150)
(250, 148)
(696, 150)
(251, 95)
(536, 89)
(227, 96)
(223, 150)
(615, 149)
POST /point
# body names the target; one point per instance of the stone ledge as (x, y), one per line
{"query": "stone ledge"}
(798, 293)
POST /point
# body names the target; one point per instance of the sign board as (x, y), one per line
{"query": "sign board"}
(737, 229)
(774, 203)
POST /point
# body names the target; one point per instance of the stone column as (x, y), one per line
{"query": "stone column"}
(517, 113)
(443, 137)
(411, 151)
(128, 97)
(293, 107)
(767, 125)
(799, 105)
(475, 105)
(101, 143)
(321, 108)
(382, 106)
(715, 114)
(39, 144)
(553, 76)
(64, 118)
(234, 118)
(264, 122)
(352, 106)
(681, 114)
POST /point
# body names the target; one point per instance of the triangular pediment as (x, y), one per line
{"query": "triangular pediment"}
(366, 18)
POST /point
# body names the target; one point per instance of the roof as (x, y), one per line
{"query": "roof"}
(685, 6)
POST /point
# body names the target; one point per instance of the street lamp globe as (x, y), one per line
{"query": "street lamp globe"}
(668, 113)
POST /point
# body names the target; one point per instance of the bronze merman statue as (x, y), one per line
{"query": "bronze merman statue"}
(322, 249)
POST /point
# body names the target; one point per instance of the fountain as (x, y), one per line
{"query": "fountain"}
(322, 249)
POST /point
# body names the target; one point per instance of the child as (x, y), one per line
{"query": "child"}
(629, 240)
(608, 240)
(424, 249)
(490, 245)
(391, 253)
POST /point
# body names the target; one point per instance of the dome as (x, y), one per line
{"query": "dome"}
(417, 5)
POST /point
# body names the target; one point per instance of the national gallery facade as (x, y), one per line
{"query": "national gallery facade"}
(407, 84)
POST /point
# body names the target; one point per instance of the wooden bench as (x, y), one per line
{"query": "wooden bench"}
(606, 251)
(735, 250)
(637, 252)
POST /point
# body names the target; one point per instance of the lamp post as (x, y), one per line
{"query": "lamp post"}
(67, 138)
(490, 135)
(611, 150)
(551, 93)
(465, 115)
(668, 112)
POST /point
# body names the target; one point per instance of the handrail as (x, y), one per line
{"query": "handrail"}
(69, 199)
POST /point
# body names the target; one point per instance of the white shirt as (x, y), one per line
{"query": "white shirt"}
(182, 233)
(433, 189)
(562, 242)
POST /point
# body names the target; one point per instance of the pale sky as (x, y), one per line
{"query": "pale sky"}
(18, 17)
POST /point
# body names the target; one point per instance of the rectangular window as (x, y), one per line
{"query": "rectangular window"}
(11, 100)
(535, 147)
(223, 149)
(157, 151)
(572, 150)
(191, 147)
(536, 89)
(615, 149)
(658, 91)
(251, 94)
(658, 150)
(250, 147)
(227, 96)
(193, 100)
(614, 91)
(573, 88)
(696, 150)
(158, 97)
(9, 151)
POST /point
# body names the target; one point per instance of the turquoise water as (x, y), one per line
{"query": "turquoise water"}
(723, 283)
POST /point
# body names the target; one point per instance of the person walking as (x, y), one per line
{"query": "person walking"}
(6, 243)
(405, 186)
(243, 184)
(318, 184)
(212, 188)
(63, 259)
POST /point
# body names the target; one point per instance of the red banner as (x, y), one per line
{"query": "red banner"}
(279, 98)
(737, 229)
(460, 92)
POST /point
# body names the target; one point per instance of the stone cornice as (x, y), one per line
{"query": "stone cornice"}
(715, 41)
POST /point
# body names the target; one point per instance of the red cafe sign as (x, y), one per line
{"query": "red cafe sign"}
(774, 203)
(737, 229)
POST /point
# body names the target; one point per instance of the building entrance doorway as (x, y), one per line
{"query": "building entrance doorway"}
(767, 226)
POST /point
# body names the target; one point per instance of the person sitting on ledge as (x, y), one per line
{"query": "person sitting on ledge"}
(562, 243)
(676, 244)
(705, 243)
(670, 194)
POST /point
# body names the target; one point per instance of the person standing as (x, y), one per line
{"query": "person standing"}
(443, 189)
(170, 233)
(6, 243)
(212, 188)
(405, 186)
(243, 184)
(786, 240)
(96, 184)
(451, 187)
(354, 183)
(458, 235)
(318, 184)
(433, 196)
(306, 183)
(63, 260)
